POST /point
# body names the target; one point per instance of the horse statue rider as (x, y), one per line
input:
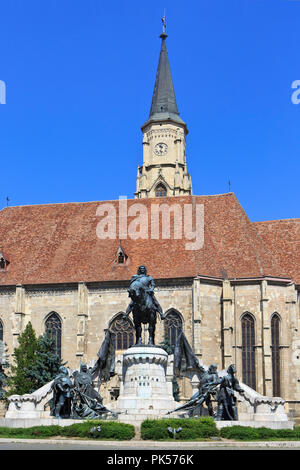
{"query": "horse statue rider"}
(144, 305)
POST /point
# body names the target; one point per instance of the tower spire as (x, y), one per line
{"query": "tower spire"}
(164, 105)
(164, 171)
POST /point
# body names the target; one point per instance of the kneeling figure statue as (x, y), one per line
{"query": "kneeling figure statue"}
(87, 402)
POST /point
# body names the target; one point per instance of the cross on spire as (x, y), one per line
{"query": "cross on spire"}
(164, 22)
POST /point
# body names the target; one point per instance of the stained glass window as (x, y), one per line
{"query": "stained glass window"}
(124, 332)
(275, 338)
(173, 325)
(53, 327)
(160, 191)
(248, 350)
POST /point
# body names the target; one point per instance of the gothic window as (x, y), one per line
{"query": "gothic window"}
(124, 332)
(248, 350)
(173, 326)
(53, 328)
(275, 338)
(1, 331)
(160, 191)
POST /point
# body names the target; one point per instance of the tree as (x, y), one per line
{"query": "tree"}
(24, 357)
(3, 382)
(169, 348)
(47, 363)
(3, 365)
(36, 362)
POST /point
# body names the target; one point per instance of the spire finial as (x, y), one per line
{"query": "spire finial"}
(163, 20)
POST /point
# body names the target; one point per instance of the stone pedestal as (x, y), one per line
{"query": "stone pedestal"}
(146, 393)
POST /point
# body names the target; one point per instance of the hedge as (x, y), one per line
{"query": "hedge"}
(109, 430)
(35, 431)
(192, 428)
(246, 433)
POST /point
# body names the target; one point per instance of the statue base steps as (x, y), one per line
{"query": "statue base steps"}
(48, 421)
(137, 418)
(29, 423)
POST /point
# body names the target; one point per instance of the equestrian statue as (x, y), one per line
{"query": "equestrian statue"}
(144, 305)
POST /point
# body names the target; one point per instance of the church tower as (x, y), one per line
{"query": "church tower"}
(164, 170)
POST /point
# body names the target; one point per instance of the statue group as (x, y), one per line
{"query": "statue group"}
(79, 399)
(76, 399)
(218, 389)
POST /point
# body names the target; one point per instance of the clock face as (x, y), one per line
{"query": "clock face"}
(160, 149)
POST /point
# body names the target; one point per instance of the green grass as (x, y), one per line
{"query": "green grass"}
(110, 430)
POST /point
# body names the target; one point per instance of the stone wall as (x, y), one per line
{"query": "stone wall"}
(211, 311)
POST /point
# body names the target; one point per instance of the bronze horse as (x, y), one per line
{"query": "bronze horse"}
(143, 305)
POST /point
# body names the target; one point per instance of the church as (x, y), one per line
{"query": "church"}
(235, 294)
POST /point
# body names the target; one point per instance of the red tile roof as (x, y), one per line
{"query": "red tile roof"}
(57, 243)
(283, 238)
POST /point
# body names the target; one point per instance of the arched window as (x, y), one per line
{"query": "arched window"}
(160, 190)
(173, 326)
(248, 350)
(124, 332)
(1, 331)
(53, 328)
(275, 339)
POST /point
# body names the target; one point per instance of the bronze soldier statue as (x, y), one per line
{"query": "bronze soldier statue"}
(62, 394)
(208, 386)
(227, 409)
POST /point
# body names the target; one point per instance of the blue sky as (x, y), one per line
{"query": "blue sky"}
(79, 77)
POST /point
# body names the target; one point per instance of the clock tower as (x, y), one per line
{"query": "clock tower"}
(164, 170)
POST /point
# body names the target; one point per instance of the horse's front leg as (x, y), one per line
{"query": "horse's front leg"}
(138, 332)
(151, 329)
